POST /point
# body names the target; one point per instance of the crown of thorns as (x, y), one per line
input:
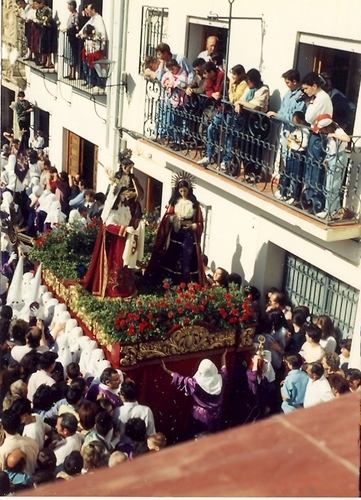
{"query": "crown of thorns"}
(183, 176)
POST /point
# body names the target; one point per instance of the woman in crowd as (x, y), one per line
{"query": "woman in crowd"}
(328, 339)
(177, 253)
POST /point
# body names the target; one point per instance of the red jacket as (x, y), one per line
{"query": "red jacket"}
(215, 85)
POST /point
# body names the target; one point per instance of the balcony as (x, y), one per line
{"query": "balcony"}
(251, 151)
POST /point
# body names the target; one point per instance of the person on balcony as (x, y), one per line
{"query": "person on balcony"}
(212, 44)
(177, 252)
(319, 103)
(25, 13)
(214, 90)
(48, 33)
(256, 126)
(96, 22)
(237, 87)
(174, 81)
(335, 163)
(289, 105)
(72, 29)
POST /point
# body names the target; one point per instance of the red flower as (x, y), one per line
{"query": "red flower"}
(143, 325)
(170, 314)
(180, 310)
(166, 285)
(228, 296)
(234, 312)
(232, 320)
(166, 296)
(188, 305)
(139, 303)
(150, 316)
(197, 286)
(178, 301)
(195, 309)
(183, 286)
(131, 330)
(221, 310)
(186, 321)
(201, 308)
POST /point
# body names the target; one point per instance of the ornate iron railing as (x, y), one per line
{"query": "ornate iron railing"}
(311, 173)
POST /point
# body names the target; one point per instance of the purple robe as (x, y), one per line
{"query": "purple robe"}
(207, 408)
(95, 390)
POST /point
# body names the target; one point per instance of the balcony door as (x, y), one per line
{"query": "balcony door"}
(81, 158)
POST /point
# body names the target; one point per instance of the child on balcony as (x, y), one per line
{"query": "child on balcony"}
(335, 163)
(291, 182)
(91, 52)
(174, 81)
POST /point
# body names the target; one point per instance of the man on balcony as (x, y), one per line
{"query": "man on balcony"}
(214, 90)
(164, 54)
(97, 22)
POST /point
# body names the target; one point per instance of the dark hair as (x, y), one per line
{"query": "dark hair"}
(103, 423)
(73, 370)
(198, 62)
(205, 259)
(325, 324)
(21, 93)
(172, 63)
(339, 383)
(149, 60)
(21, 406)
(46, 460)
(129, 390)
(6, 312)
(273, 320)
(175, 193)
(136, 429)
(105, 404)
(217, 58)
(292, 75)
(317, 369)
(33, 337)
(106, 375)
(73, 463)
(295, 360)
(47, 359)
(312, 78)
(314, 332)
(43, 398)
(33, 156)
(346, 344)
(30, 363)
(79, 383)
(254, 76)
(353, 374)
(299, 315)
(239, 70)
(74, 395)
(300, 115)
(72, 3)
(10, 421)
(163, 48)
(69, 422)
(223, 281)
(100, 197)
(87, 412)
(209, 66)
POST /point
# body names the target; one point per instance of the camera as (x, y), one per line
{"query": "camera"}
(301, 96)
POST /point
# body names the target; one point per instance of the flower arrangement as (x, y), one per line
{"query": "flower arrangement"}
(66, 250)
(153, 316)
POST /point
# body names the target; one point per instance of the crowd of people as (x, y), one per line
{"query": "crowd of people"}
(314, 122)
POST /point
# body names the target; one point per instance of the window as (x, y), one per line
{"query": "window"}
(154, 31)
(323, 294)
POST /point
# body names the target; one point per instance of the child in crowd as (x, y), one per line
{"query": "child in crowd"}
(220, 277)
(353, 375)
(294, 386)
(345, 348)
(311, 350)
(156, 442)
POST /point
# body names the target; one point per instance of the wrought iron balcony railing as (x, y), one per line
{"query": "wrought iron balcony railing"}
(311, 173)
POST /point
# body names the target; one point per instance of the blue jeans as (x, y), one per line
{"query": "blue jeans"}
(291, 178)
(315, 171)
(212, 131)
